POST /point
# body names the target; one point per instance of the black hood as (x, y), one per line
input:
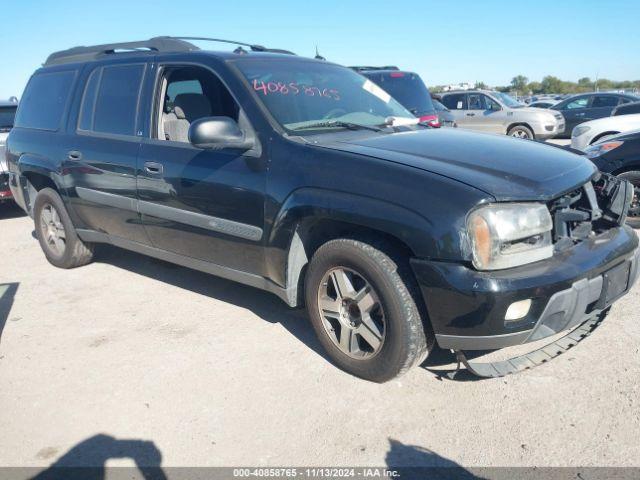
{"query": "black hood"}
(504, 167)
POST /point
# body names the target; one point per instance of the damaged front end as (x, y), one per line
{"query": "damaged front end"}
(595, 207)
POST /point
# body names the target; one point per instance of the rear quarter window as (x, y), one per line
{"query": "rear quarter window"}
(110, 100)
(44, 100)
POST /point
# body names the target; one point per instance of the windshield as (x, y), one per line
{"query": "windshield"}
(508, 100)
(308, 97)
(408, 89)
(438, 106)
(7, 115)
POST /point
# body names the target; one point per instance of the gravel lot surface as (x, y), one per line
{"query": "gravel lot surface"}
(157, 362)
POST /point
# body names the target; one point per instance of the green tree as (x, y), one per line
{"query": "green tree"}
(535, 87)
(551, 84)
(519, 83)
(482, 86)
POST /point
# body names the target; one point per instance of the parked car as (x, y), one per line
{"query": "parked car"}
(626, 109)
(407, 88)
(620, 155)
(547, 103)
(307, 180)
(496, 112)
(7, 115)
(591, 132)
(589, 106)
(445, 117)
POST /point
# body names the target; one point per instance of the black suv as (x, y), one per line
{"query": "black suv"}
(302, 178)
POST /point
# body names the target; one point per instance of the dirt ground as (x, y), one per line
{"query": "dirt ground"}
(136, 358)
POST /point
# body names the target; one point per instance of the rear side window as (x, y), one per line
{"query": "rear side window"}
(455, 101)
(44, 100)
(604, 101)
(110, 101)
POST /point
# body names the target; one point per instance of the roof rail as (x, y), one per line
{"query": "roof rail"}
(155, 44)
(253, 47)
(365, 68)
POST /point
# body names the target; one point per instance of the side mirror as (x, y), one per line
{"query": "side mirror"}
(217, 133)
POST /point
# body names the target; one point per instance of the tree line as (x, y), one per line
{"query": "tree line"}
(550, 84)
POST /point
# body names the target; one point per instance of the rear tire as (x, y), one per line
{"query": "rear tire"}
(520, 131)
(633, 217)
(56, 234)
(377, 310)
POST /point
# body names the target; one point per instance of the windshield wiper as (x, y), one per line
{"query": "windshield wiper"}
(339, 124)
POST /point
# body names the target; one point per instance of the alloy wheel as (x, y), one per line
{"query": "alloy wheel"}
(520, 134)
(52, 229)
(351, 313)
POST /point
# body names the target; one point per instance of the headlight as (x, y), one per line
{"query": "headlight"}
(601, 148)
(580, 131)
(510, 234)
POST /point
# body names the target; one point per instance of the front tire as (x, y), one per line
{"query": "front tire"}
(362, 306)
(56, 233)
(520, 131)
(633, 217)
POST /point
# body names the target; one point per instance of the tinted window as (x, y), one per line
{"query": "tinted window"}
(490, 103)
(475, 102)
(116, 102)
(455, 101)
(582, 102)
(7, 116)
(44, 100)
(627, 109)
(604, 101)
(88, 101)
(409, 90)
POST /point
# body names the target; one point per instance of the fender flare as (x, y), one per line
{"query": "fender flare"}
(35, 164)
(286, 237)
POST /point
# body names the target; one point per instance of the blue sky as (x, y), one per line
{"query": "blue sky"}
(444, 41)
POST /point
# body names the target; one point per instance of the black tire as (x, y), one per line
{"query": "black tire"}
(74, 252)
(520, 131)
(406, 342)
(633, 218)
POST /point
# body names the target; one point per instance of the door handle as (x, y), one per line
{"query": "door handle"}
(153, 168)
(579, 114)
(74, 155)
(471, 114)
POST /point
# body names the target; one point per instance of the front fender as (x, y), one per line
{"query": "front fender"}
(286, 254)
(395, 220)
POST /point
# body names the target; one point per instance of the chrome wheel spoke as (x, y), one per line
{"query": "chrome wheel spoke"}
(330, 307)
(365, 301)
(59, 244)
(370, 332)
(342, 284)
(47, 216)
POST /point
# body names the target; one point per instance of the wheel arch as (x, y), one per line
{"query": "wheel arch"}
(311, 217)
(520, 124)
(36, 173)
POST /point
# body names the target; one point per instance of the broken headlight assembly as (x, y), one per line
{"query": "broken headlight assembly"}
(509, 234)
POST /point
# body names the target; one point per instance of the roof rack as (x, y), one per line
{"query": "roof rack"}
(153, 45)
(365, 68)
